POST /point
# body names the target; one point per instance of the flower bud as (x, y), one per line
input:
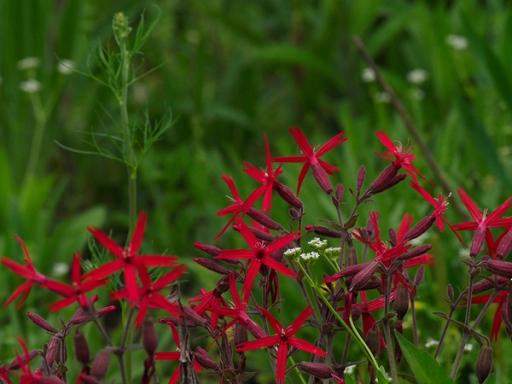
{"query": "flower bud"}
(204, 360)
(420, 275)
(319, 370)
(384, 178)
(420, 228)
(364, 276)
(86, 379)
(394, 181)
(506, 314)
(149, 338)
(100, 364)
(337, 198)
(505, 245)
(499, 267)
(288, 196)
(295, 213)
(81, 348)
(212, 265)
(361, 175)
(417, 251)
(322, 178)
(478, 241)
(240, 334)
(323, 231)
(40, 322)
(484, 363)
(53, 350)
(401, 303)
(212, 250)
(263, 219)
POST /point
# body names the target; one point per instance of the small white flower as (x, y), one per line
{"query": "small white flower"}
(349, 369)
(28, 63)
(30, 86)
(317, 243)
(310, 255)
(66, 67)
(60, 269)
(368, 75)
(457, 42)
(331, 251)
(417, 94)
(382, 97)
(431, 343)
(468, 347)
(417, 76)
(290, 252)
(420, 239)
(463, 252)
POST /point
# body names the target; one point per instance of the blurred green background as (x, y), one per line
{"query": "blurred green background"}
(230, 71)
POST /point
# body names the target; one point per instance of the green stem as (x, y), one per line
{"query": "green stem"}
(298, 371)
(387, 333)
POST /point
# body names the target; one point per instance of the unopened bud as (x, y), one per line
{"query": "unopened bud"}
(100, 364)
(484, 363)
(505, 245)
(323, 231)
(363, 276)
(337, 198)
(450, 293)
(384, 178)
(478, 241)
(204, 360)
(506, 314)
(40, 322)
(288, 195)
(263, 219)
(394, 181)
(81, 348)
(420, 228)
(149, 338)
(53, 351)
(212, 250)
(212, 265)
(295, 213)
(361, 175)
(499, 267)
(417, 251)
(420, 275)
(319, 370)
(401, 303)
(322, 178)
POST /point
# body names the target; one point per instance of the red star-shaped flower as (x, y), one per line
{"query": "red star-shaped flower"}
(399, 156)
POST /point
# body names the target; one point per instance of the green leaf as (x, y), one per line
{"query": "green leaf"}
(424, 367)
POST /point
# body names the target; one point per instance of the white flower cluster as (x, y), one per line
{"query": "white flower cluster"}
(332, 251)
(30, 86)
(66, 67)
(349, 369)
(317, 243)
(310, 256)
(457, 42)
(291, 252)
(431, 343)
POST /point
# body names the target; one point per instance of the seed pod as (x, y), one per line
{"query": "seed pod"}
(323, 231)
(420, 228)
(499, 267)
(40, 322)
(322, 178)
(484, 363)
(100, 364)
(204, 360)
(384, 178)
(288, 196)
(505, 245)
(319, 370)
(212, 265)
(81, 348)
(263, 219)
(401, 303)
(149, 338)
(212, 250)
(364, 276)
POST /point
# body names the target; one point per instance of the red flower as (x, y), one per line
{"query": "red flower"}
(283, 340)
(259, 254)
(28, 272)
(311, 158)
(239, 207)
(175, 356)
(76, 292)
(399, 156)
(209, 301)
(483, 222)
(150, 296)
(439, 204)
(128, 258)
(267, 178)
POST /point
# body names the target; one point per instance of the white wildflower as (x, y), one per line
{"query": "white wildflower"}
(317, 243)
(468, 347)
(60, 269)
(28, 63)
(457, 42)
(349, 369)
(310, 255)
(382, 97)
(420, 239)
(368, 75)
(290, 252)
(417, 76)
(431, 343)
(332, 251)
(30, 86)
(66, 66)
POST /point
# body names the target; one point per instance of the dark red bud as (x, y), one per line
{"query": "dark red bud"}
(212, 250)
(212, 265)
(322, 178)
(100, 364)
(394, 181)
(319, 370)
(384, 178)
(506, 314)
(40, 322)
(450, 293)
(323, 231)
(149, 338)
(81, 348)
(417, 251)
(204, 360)
(81, 317)
(295, 213)
(499, 267)
(361, 175)
(255, 329)
(505, 245)
(53, 350)
(263, 219)
(288, 195)
(86, 379)
(401, 303)
(364, 276)
(478, 241)
(420, 275)
(49, 380)
(337, 198)
(420, 228)
(484, 363)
